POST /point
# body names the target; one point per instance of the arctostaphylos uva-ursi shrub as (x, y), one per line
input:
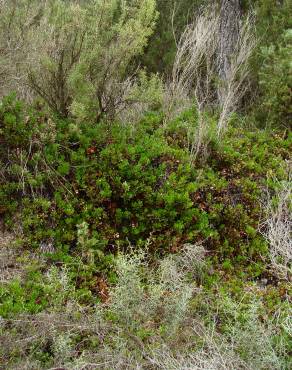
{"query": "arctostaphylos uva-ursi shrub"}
(127, 184)
(25, 133)
(134, 185)
(232, 181)
(248, 163)
(129, 187)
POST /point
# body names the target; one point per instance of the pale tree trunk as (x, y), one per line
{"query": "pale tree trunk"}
(228, 37)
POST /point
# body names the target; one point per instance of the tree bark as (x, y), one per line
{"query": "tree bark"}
(228, 35)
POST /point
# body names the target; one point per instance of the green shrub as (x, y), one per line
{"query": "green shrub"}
(271, 67)
(77, 56)
(136, 185)
(123, 187)
(276, 82)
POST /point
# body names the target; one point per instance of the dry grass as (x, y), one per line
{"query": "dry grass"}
(235, 86)
(196, 79)
(10, 268)
(277, 228)
(148, 323)
(196, 47)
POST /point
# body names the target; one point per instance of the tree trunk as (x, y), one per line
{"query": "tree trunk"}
(228, 36)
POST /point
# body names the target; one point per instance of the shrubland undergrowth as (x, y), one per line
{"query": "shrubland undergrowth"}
(144, 216)
(138, 256)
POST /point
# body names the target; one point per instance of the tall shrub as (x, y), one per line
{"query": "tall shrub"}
(77, 55)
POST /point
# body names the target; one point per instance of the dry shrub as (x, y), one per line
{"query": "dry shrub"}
(196, 77)
(9, 268)
(236, 84)
(144, 299)
(77, 56)
(148, 323)
(17, 20)
(195, 51)
(277, 227)
(246, 343)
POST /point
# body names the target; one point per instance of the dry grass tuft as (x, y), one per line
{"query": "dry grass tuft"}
(277, 228)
